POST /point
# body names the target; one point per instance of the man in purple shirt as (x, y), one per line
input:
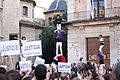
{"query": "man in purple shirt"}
(58, 34)
(101, 58)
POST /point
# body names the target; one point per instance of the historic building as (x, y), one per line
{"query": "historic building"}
(17, 18)
(57, 7)
(28, 26)
(87, 19)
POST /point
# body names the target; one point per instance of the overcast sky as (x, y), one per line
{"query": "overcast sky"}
(44, 3)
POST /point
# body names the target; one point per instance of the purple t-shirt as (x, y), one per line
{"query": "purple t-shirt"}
(59, 36)
(101, 57)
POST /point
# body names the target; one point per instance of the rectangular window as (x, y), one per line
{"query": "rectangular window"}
(98, 8)
(25, 11)
(13, 36)
(50, 21)
(101, 8)
(50, 18)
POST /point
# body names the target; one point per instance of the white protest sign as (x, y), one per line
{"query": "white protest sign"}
(33, 48)
(39, 61)
(47, 65)
(10, 47)
(25, 65)
(64, 67)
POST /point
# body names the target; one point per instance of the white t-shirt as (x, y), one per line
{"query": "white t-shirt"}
(101, 69)
(101, 41)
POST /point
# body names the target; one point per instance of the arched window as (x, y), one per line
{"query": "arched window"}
(25, 11)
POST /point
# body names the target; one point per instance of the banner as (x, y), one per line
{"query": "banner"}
(33, 48)
(25, 65)
(39, 61)
(64, 67)
(10, 47)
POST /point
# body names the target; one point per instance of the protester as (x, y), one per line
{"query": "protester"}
(116, 71)
(2, 73)
(40, 72)
(12, 75)
(79, 71)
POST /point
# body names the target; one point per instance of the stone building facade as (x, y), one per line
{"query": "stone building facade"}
(86, 22)
(14, 15)
(28, 26)
(17, 18)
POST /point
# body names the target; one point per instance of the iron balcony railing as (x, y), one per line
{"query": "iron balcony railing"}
(84, 15)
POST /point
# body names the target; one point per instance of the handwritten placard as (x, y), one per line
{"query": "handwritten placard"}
(39, 61)
(64, 67)
(25, 65)
(33, 48)
(9, 48)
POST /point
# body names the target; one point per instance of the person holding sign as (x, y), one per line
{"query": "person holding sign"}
(59, 34)
(40, 72)
(23, 41)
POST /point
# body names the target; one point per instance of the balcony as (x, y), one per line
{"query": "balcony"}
(87, 15)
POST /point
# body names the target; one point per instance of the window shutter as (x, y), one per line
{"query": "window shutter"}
(90, 9)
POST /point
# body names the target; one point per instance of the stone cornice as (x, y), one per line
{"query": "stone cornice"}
(30, 24)
(47, 12)
(93, 22)
(30, 1)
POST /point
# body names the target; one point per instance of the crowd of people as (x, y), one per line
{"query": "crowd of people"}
(79, 71)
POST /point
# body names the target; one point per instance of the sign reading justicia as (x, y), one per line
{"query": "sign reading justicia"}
(33, 48)
(64, 67)
(10, 47)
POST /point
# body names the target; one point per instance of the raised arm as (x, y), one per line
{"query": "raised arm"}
(11, 62)
(55, 31)
(64, 20)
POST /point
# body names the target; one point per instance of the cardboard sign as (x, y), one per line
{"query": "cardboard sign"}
(39, 61)
(33, 48)
(64, 67)
(10, 48)
(25, 65)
